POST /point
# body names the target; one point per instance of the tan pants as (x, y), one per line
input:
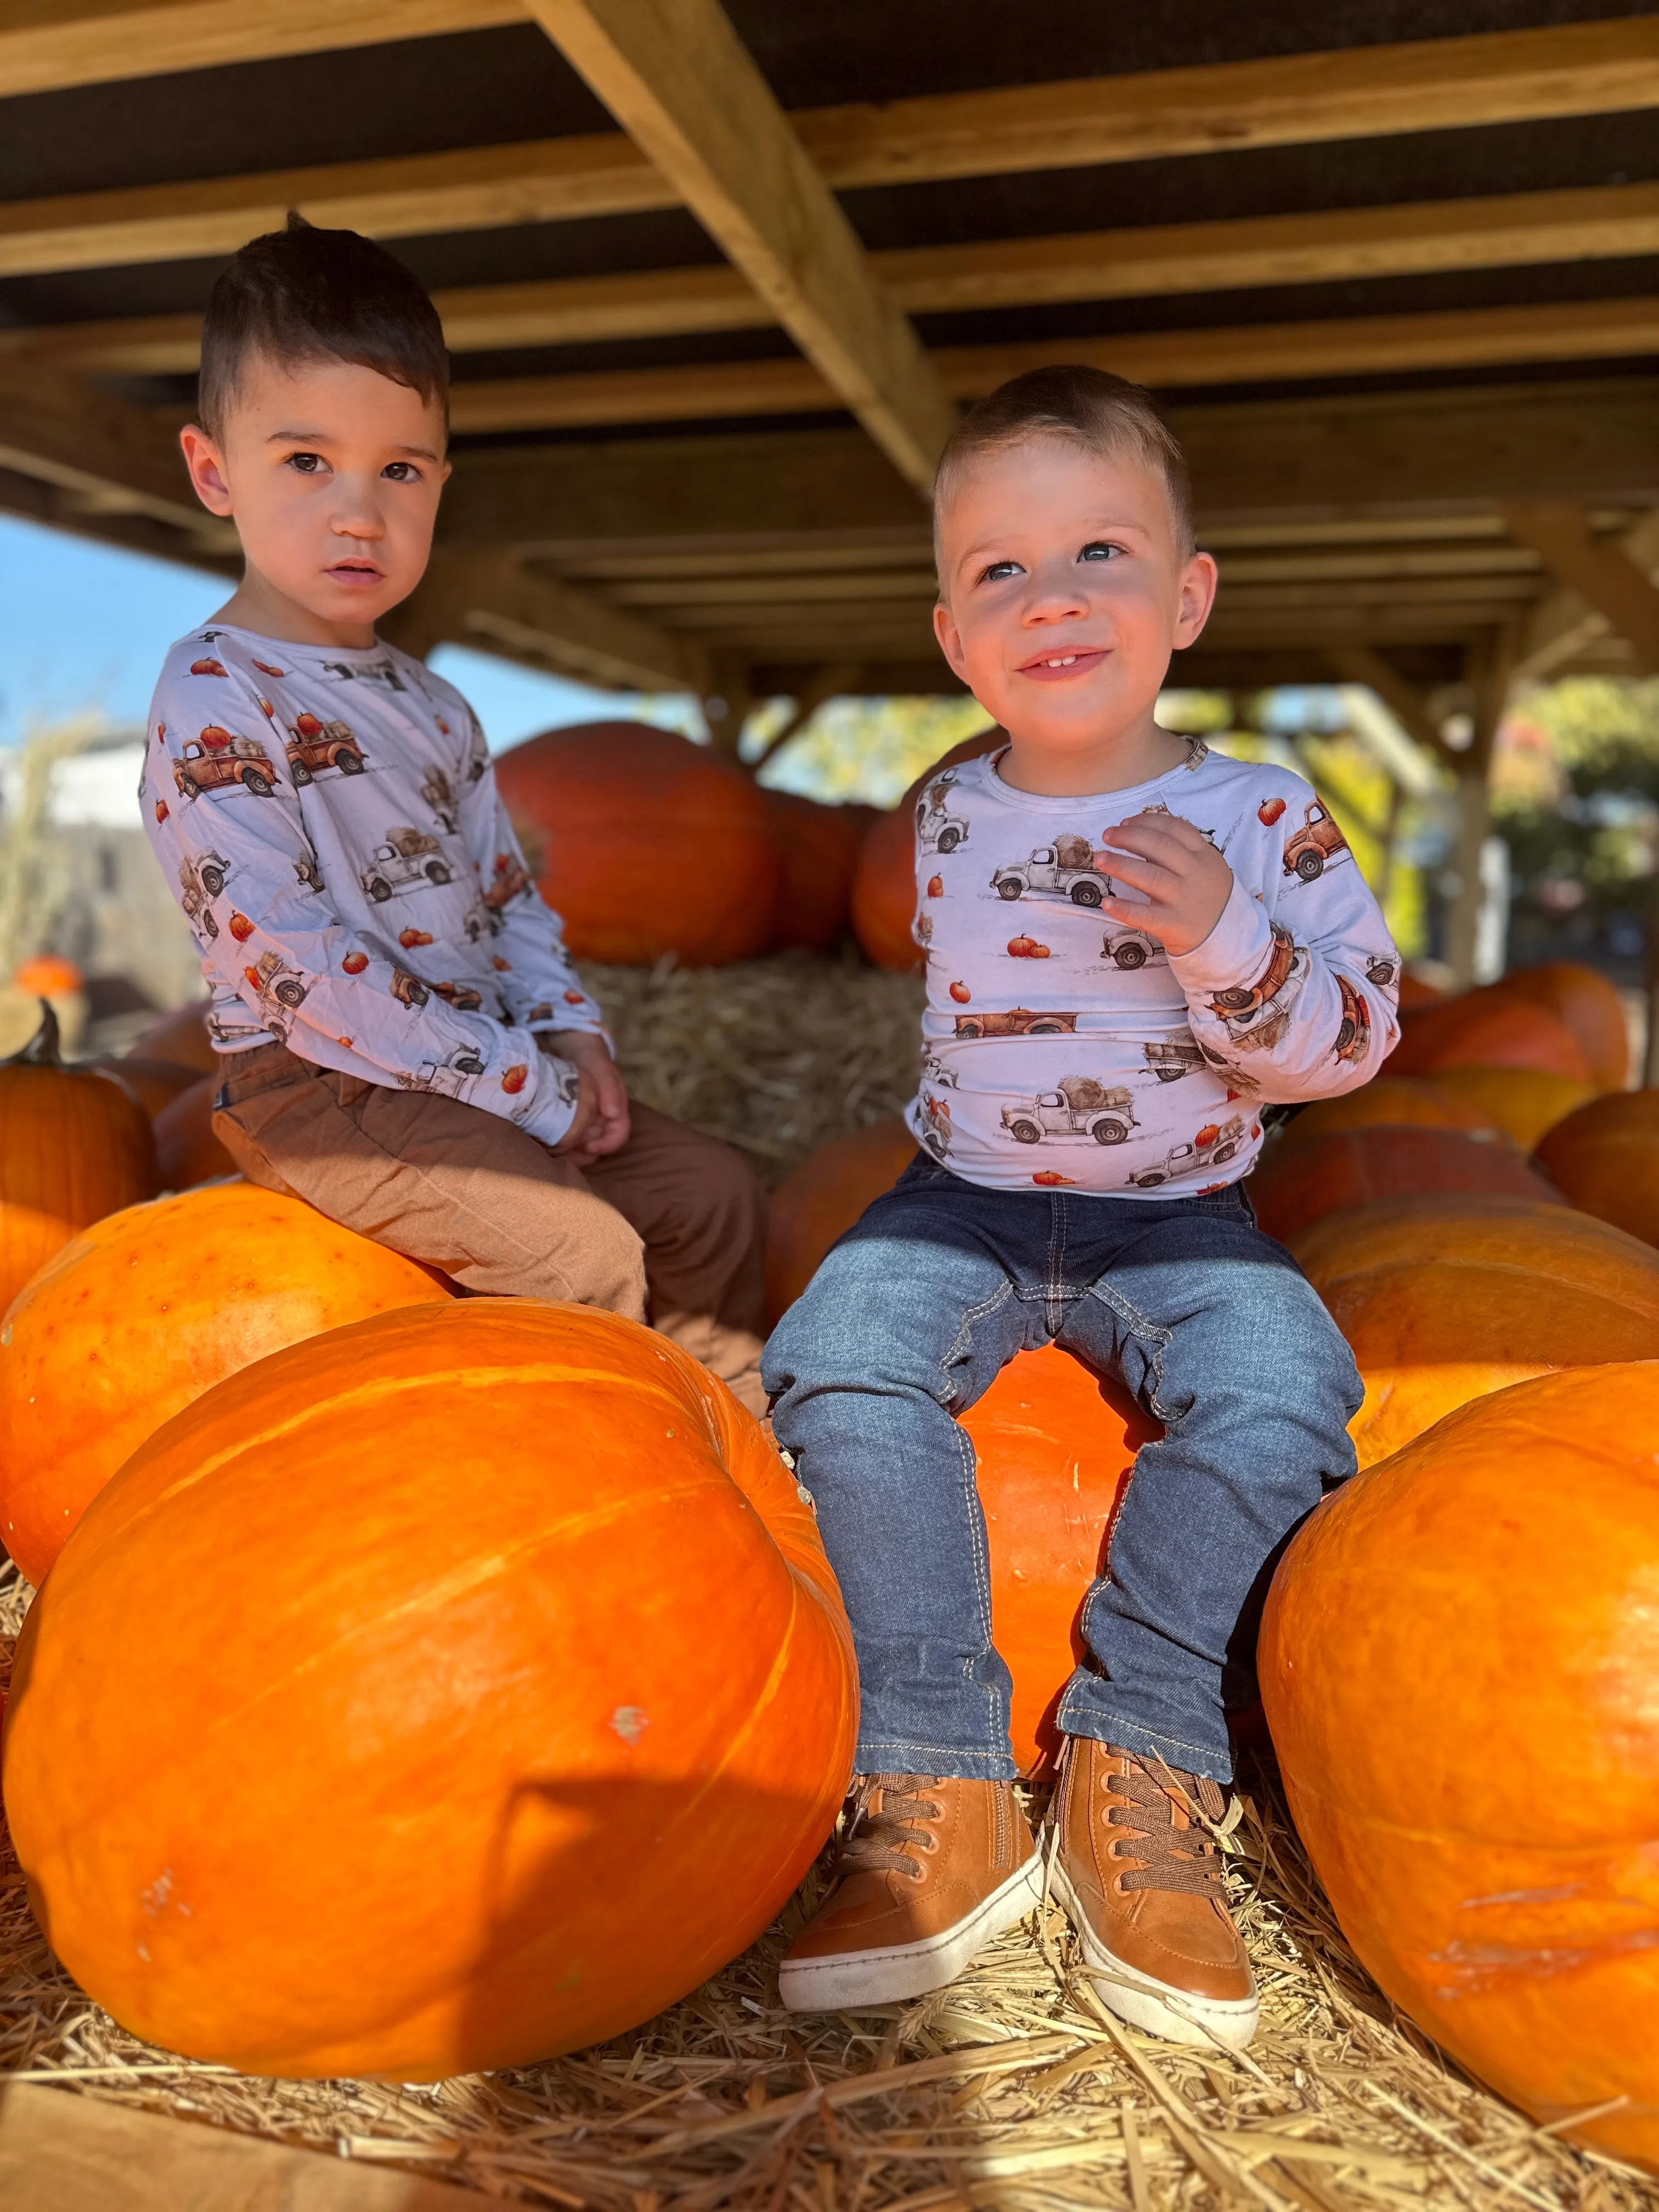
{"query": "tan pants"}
(671, 1229)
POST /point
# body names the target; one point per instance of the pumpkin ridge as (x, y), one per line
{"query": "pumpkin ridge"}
(355, 1394)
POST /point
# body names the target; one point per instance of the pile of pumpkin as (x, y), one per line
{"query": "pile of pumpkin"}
(418, 1685)
(650, 846)
(1458, 1655)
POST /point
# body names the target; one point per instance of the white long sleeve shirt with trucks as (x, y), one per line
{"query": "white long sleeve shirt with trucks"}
(329, 822)
(1060, 1047)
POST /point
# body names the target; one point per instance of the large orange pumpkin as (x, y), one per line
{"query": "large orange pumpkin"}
(1522, 1102)
(818, 849)
(1457, 1662)
(144, 1311)
(1300, 1184)
(74, 1146)
(1589, 1005)
(1446, 1298)
(1397, 1103)
(453, 1690)
(650, 845)
(825, 1195)
(884, 887)
(187, 1153)
(1487, 1029)
(1605, 1157)
(1055, 1448)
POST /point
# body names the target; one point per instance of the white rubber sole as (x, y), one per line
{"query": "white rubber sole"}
(1177, 2015)
(910, 1969)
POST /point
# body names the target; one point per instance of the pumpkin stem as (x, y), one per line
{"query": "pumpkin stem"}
(42, 1049)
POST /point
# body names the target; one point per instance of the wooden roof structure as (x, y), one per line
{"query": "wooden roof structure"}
(716, 282)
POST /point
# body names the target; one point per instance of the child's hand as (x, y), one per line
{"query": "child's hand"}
(600, 1124)
(1182, 873)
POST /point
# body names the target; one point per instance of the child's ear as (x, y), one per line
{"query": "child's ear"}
(1198, 588)
(950, 639)
(207, 469)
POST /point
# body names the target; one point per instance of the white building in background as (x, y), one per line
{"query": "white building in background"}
(112, 912)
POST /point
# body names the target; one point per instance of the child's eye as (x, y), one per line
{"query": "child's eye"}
(308, 464)
(1098, 550)
(998, 572)
(402, 472)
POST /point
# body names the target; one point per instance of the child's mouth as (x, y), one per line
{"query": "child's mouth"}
(1057, 667)
(355, 573)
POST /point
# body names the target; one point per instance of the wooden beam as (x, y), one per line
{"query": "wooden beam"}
(1370, 91)
(1342, 345)
(1601, 573)
(46, 45)
(1600, 222)
(1352, 663)
(674, 75)
(64, 2152)
(1564, 626)
(100, 452)
(1338, 461)
(487, 599)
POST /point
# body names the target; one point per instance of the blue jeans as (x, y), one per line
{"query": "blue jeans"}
(1209, 1323)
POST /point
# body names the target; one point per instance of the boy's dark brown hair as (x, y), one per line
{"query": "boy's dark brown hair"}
(1105, 413)
(302, 295)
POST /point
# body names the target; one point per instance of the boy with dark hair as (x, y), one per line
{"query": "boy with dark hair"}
(407, 1045)
(1195, 940)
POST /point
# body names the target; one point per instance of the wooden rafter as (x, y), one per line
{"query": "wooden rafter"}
(1564, 626)
(674, 74)
(1601, 222)
(1335, 346)
(106, 456)
(46, 45)
(1371, 91)
(1601, 572)
(1332, 460)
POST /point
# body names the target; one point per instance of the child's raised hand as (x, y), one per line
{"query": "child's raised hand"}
(1182, 875)
(601, 1123)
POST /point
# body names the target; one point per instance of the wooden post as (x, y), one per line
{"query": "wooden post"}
(1489, 663)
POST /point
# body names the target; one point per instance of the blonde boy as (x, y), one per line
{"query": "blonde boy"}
(1132, 946)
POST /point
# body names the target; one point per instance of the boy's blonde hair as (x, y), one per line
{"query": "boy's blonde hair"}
(1106, 413)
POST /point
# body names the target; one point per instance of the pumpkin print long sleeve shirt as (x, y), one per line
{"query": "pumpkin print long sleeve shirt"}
(1061, 1047)
(329, 822)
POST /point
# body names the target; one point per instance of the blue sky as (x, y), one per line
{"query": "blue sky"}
(83, 628)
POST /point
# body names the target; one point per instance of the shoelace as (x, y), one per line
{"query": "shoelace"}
(881, 1841)
(1178, 1858)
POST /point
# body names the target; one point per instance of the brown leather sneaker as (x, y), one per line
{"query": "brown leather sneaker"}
(930, 1869)
(1141, 1881)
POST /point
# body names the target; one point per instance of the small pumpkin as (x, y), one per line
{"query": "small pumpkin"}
(146, 1310)
(818, 851)
(1303, 1183)
(1457, 1662)
(1487, 1030)
(182, 1036)
(1444, 1299)
(1390, 1101)
(1589, 1004)
(1522, 1102)
(398, 1592)
(817, 1201)
(74, 1146)
(1604, 1158)
(1055, 1448)
(187, 1152)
